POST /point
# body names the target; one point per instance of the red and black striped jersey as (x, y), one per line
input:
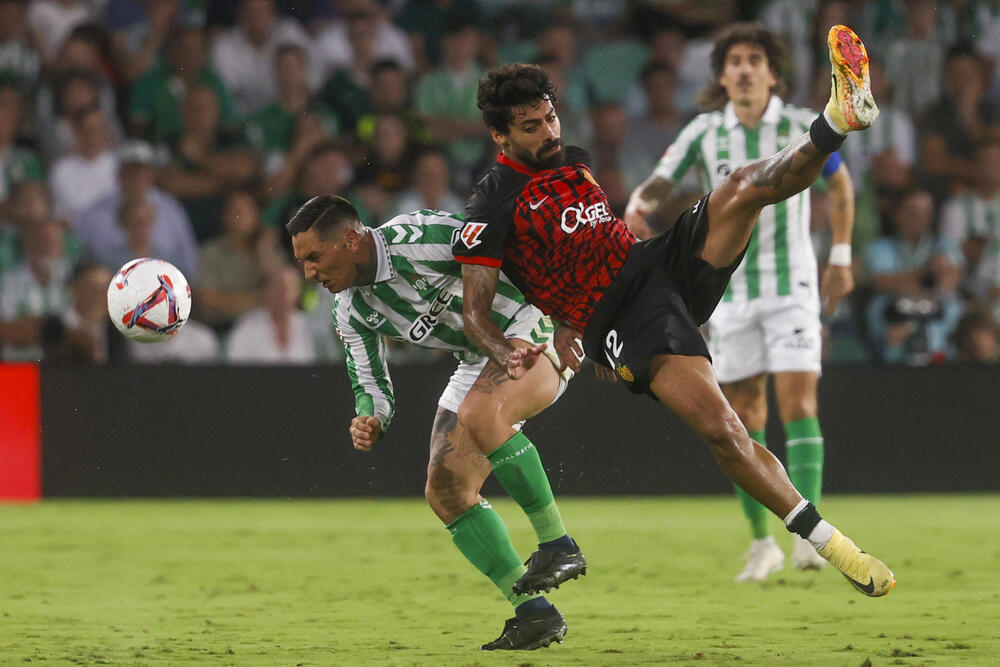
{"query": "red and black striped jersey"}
(551, 231)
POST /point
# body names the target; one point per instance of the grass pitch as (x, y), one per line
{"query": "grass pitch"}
(378, 582)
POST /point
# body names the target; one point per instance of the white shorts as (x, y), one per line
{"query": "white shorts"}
(765, 336)
(532, 327)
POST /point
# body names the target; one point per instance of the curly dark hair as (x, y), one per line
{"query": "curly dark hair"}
(713, 96)
(508, 86)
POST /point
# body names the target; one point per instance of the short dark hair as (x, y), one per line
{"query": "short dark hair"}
(322, 213)
(714, 95)
(508, 86)
(656, 67)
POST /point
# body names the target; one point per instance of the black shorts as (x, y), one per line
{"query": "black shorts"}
(656, 303)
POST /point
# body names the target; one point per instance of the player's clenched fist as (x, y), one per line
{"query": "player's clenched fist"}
(364, 432)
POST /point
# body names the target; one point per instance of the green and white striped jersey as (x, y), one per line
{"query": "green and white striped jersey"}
(780, 254)
(967, 216)
(416, 298)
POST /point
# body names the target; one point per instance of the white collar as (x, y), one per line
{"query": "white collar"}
(772, 114)
(384, 270)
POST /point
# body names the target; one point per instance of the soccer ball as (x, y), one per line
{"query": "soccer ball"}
(149, 300)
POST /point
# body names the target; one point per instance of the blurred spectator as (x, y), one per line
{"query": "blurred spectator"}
(206, 162)
(914, 62)
(690, 61)
(83, 176)
(51, 22)
(447, 98)
(424, 21)
(155, 103)
(235, 264)
(574, 118)
(956, 122)
(607, 150)
(18, 57)
(915, 273)
(558, 41)
(29, 203)
(32, 291)
(325, 169)
(17, 164)
(139, 30)
(347, 89)
(988, 46)
(195, 343)
(98, 230)
(977, 338)
(971, 220)
(278, 127)
(387, 159)
(389, 94)
(430, 188)
(646, 135)
(78, 80)
(83, 333)
(335, 44)
(277, 332)
(244, 54)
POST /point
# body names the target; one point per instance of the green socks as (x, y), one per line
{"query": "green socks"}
(517, 465)
(756, 513)
(804, 443)
(481, 536)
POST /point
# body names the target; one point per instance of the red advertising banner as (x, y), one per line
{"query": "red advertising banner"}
(20, 432)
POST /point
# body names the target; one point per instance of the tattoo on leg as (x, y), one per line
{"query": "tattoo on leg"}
(798, 160)
(492, 377)
(441, 444)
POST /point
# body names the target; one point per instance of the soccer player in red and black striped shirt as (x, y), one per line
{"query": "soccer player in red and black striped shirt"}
(540, 215)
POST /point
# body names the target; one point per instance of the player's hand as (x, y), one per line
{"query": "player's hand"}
(522, 359)
(364, 432)
(568, 347)
(838, 281)
(635, 219)
(604, 373)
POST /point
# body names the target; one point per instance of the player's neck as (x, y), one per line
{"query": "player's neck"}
(750, 113)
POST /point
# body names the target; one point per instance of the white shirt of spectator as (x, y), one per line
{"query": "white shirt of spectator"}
(52, 22)
(253, 340)
(77, 183)
(195, 343)
(248, 72)
(21, 295)
(334, 49)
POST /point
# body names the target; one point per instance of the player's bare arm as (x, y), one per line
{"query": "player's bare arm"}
(479, 287)
(838, 277)
(364, 432)
(648, 201)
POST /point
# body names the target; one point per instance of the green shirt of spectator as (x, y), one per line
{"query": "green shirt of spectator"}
(273, 128)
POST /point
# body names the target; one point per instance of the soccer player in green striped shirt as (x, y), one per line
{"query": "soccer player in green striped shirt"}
(400, 281)
(768, 323)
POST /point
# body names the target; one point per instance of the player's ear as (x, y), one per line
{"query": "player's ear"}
(352, 239)
(499, 138)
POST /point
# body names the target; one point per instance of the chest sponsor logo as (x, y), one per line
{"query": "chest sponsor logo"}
(424, 324)
(470, 234)
(575, 216)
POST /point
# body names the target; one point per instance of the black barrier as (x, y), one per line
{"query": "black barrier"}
(225, 431)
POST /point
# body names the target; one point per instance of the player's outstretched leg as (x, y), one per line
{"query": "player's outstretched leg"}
(865, 572)
(490, 408)
(455, 474)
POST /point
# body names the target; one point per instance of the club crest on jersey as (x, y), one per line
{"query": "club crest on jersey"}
(625, 373)
(574, 216)
(470, 234)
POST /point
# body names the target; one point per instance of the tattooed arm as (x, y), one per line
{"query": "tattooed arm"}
(479, 286)
(838, 280)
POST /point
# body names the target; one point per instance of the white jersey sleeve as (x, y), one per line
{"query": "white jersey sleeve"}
(366, 366)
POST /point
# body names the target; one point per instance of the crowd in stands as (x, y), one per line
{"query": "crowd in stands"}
(190, 130)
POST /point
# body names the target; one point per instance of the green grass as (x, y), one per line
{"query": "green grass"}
(378, 582)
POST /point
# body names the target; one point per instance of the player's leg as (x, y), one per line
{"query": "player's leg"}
(455, 474)
(734, 205)
(494, 404)
(748, 397)
(796, 395)
(687, 385)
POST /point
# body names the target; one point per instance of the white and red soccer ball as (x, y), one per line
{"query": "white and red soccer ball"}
(149, 300)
